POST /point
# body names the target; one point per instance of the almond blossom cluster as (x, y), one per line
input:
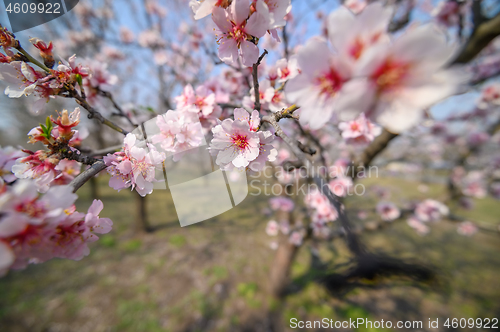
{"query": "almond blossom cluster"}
(8, 157)
(241, 23)
(201, 101)
(360, 130)
(25, 80)
(322, 211)
(134, 165)
(391, 80)
(35, 228)
(388, 211)
(51, 167)
(239, 143)
(426, 212)
(179, 131)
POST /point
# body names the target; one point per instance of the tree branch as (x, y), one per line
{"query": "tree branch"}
(95, 114)
(256, 81)
(482, 35)
(375, 147)
(87, 175)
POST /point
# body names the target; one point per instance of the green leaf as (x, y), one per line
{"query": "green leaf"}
(79, 79)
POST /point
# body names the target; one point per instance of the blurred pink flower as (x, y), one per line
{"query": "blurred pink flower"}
(282, 203)
(388, 211)
(430, 210)
(467, 228)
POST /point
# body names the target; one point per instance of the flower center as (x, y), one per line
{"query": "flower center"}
(238, 34)
(329, 83)
(391, 74)
(200, 102)
(240, 141)
(31, 209)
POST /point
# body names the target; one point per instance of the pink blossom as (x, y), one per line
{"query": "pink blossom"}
(25, 81)
(473, 185)
(100, 80)
(8, 157)
(490, 96)
(134, 166)
(275, 99)
(360, 130)
(126, 35)
(201, 101)
(318, 87)
(320, 229)
(272, 228)
(397, 82)
(356, 6)
(447, 13)
(296, 238)
(204, 8)
(178, 132)
(341, 185)
(236, 27)
(267, 152)
(323, 210)
(285, 227)
(282, 203)
(151, 38)
(38, 166)
(249, 101)
(68, 169)
(340, 167)
(34, 229)
(187, 98)
(417, 225)
(388, 211)
(467, 228)
(236, 143)
(286, 69)
(278, 9)
(354, 35)
(430, 210)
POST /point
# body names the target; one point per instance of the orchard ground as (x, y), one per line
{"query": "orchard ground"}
(213, 276)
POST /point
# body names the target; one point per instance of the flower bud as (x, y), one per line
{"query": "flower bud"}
(45, 51)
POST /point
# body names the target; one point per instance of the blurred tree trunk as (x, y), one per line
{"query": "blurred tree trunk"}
(94, 188)
(141, 220)
(280, 270)
(285, 256)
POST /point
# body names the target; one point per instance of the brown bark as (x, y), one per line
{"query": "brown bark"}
(141, 221)
(280, 270)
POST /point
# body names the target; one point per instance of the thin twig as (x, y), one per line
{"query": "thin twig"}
(117, 107)
(256, 80)
(95, 114)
